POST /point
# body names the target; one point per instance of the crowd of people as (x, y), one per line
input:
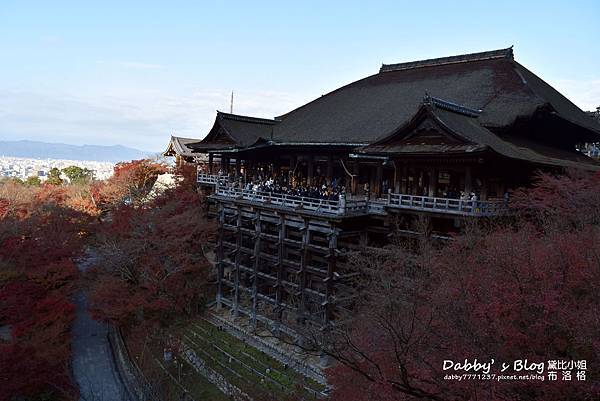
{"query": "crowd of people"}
(320, 190)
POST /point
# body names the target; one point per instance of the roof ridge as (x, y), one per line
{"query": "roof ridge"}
(250, 119)
(450, 106)
(461, 58)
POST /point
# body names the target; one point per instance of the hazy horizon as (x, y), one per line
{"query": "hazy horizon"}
(134, 73)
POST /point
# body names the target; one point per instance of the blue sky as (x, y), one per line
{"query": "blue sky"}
(133, 72)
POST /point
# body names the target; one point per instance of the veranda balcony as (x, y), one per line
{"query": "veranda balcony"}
(353, 205)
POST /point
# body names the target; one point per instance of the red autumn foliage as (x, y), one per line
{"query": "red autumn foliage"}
(152, 266)
(32, 376)
(529, 291)
(561, 202)
(129, 184)
(41, 232)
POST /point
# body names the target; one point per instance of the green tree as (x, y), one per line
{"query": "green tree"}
(33, 181)
(54, 177)
(6, 180)
(77, 174)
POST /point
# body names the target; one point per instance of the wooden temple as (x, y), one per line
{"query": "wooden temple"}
(443, 139)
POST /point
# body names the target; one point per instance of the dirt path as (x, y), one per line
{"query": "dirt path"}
(93, 364)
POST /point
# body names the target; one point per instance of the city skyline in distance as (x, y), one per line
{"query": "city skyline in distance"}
(83, 152)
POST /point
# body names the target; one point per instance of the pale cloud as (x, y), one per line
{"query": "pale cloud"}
(141, 119)
(145, 118)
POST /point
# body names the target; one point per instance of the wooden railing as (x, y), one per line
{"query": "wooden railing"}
(446, 205)
(357, 205)
(211, 179)
(292, 201)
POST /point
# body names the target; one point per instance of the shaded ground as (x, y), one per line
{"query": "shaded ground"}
(93, 364)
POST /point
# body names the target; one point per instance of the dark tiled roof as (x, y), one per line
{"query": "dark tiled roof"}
(462, 58)
(475, 138)
(365, 110)
(178, 146)
(245, 130)
(231, 131)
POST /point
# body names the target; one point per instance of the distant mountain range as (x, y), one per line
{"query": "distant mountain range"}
(45, 150)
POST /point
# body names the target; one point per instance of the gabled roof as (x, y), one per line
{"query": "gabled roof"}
(365, 110)
(462, 58)
(457, 129)
(178, 146)
(235, 131)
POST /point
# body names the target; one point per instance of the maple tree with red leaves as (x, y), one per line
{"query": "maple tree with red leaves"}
(530, 290)
(129, 184)
(152, 261)
(42, 230)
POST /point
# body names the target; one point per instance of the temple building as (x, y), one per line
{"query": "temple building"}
(178, 149)
(444, 139)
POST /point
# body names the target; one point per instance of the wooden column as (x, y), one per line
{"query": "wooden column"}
(257, 229)
(484, 189)
(238, 257)
(433, 182)
(378, 178)
(280, 258)
(293, 162)
(250, 175)
(331, 265)
(310, 170)
(210, 163)
(329, 170)
(468, 180)
(225, 164)
(304, 256)
(397, 177)
(355, 172)
(238, 166)
(277, 168)
(220, 255)
(404, 184)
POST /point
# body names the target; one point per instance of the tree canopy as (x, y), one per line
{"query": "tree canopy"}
(78, 175)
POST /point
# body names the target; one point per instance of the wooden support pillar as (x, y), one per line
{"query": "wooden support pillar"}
(257, 230)
(250, 175)
(238, 257)
(221, 220)
(331, 266)
(329, 170)
(310, 170)
(378, 179)
(225, 164)
(238, 166)
(355, 172)
(433, 182)
(210, 163)
(293, 163)
(468, 180)
(397, 177)
(280, 258)
(404, 185)
(245, 175)
(484, 189)
(304, 256)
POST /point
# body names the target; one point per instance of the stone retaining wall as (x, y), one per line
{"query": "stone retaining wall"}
(138, 388)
